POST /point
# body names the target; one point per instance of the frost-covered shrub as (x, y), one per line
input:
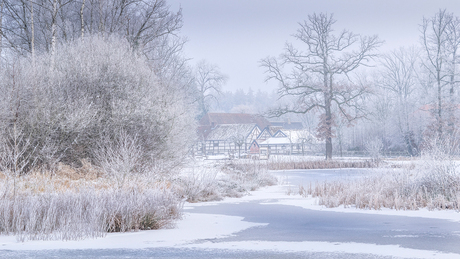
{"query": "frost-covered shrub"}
(374, 147)
(88, 92)
(249, 174)
(199, 184)
(231, 179)
(120, 157)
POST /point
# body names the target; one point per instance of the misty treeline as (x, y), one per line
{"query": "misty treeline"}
(343, 86)
(243, 101)
(102, 81)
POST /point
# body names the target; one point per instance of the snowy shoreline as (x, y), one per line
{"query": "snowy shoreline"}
(196, 229)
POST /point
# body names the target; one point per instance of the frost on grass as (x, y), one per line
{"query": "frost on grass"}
(58, 207)
(233, 178)
(295, 162)
(433, 183)
(88, 202)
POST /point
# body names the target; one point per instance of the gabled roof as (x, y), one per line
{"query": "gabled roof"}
(279, 134)
(214, 119)
(254, 133)
(294, 125)
(274, 129)
(231, 132)
(265, 134)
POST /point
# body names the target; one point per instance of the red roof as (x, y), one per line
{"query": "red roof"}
(214, 119)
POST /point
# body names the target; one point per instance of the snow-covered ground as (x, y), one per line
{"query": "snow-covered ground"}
(205, 231)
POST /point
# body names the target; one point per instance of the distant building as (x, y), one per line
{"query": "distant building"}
(211, 120)
(239, 134)
(295, 125)
(290, 142)
(229, 139)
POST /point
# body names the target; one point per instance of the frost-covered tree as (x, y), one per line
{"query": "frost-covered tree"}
(440, 41)
(209, 81)
(398, 77)
(41, 24)
(97, 88)
(318, 74)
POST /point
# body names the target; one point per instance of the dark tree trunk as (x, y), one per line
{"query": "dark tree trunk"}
(439, 111)
(328, 128)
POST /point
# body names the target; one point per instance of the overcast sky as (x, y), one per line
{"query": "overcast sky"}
(236, 34)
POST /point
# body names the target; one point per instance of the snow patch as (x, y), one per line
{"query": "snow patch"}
(193, 227)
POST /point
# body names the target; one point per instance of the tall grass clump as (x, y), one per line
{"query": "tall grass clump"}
(57, 207)
(433, 183)
(215, 181)
(249, 174)
(199, 184)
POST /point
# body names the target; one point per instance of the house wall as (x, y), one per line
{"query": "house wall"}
(216, 147)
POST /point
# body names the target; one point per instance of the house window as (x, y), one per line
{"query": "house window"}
(216, 144)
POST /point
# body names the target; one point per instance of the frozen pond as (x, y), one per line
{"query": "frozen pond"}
(301, 177)
(295, 224)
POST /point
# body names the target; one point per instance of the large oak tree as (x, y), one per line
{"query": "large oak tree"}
(318, 75)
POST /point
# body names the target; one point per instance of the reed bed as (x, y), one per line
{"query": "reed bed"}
(288, 163)
(64, 206)
(432, 185)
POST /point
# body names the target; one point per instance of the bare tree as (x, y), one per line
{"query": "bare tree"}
(435, 33)
(82, 20)
(2, 4)
(398, 76)
(32, 30)
(320, 74)
(453, 46)
(209, 81)
(44, 23)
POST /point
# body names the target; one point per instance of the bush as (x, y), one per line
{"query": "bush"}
(70, 104)
(231, 179)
